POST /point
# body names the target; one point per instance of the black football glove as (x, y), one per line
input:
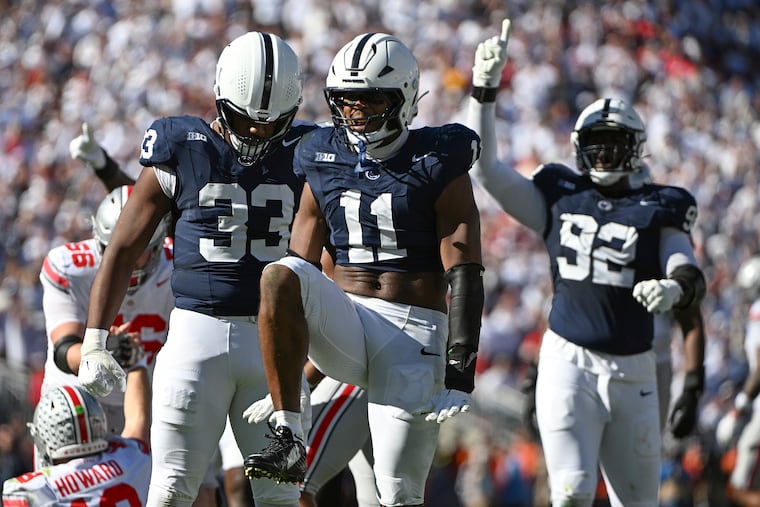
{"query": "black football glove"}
(528, 388)
(683, 419)
(126, 350)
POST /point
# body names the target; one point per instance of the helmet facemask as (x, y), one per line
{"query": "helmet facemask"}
(606, 154)
(375, 130)
(251, 147)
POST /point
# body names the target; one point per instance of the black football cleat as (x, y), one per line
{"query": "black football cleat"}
(283, 460)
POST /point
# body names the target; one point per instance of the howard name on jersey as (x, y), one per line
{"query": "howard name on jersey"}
(120, 474)
(66, 276)
(384, 218)
(231, 219)
(599, 248)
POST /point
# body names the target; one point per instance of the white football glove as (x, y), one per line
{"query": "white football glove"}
(490, 58)
(728, 428)
(731, 424)
(658, 296)
(262, 410)
(447, 404)
(85, 148)
(98, 370)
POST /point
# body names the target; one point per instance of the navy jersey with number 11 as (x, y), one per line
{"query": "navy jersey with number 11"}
(384, 218)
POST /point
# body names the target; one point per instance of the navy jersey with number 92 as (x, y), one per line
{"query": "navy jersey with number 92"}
(599, 248)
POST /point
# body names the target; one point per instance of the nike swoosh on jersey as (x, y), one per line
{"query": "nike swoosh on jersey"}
(161, 282)
(426, 353)
(292, 141)
(643, 393)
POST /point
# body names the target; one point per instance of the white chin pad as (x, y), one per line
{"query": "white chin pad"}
(605, 179)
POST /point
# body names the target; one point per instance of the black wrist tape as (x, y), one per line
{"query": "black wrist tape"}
(695, 380)
(483, 94)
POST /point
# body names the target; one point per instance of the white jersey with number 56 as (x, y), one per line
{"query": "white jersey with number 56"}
(67, 275)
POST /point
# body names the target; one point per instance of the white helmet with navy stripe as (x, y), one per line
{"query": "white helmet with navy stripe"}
(609, 137)
(68, 423)
(378, 63)
(258, 80)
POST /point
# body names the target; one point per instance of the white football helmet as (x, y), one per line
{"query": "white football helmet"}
(379, 63)
(68, 423)
(611, 132)
(258, 81)
(104, 222)
(748, 278)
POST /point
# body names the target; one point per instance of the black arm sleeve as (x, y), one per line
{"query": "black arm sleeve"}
(465, 312)
(692, 282)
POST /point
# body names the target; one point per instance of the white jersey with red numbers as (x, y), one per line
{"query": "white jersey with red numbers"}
(67, 275)
(118, 476)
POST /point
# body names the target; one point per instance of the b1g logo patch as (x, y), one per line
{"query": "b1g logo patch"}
(324, 157)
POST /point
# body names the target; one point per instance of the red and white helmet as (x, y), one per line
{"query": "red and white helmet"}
(104, 223)
(68, 423)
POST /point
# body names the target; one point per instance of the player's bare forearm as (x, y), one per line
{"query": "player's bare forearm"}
(458, 224)
(145, 208)
(309, 233)
(692, 328)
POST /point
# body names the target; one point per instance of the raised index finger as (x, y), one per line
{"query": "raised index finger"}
(505, 30)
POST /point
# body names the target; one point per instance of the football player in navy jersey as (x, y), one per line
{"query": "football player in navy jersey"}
(396, 206)
(620, 251)
(233, 194)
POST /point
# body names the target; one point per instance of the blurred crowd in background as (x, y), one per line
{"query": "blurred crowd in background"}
(688, 66)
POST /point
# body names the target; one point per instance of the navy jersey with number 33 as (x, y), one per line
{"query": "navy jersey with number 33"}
(231, 219)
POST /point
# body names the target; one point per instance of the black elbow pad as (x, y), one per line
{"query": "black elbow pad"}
(692, 281)
(61, 349)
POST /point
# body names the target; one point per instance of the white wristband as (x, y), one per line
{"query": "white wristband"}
(741, 401)
(96, 337)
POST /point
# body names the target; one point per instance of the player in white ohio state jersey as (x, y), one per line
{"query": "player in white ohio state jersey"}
(82, 465)
(67, 275)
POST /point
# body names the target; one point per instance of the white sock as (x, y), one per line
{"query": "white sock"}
(291, 420)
